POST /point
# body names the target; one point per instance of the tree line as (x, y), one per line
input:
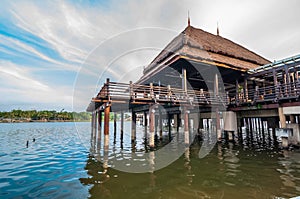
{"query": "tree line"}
(44, 115)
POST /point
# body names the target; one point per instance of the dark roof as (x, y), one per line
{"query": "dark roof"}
(202, 46)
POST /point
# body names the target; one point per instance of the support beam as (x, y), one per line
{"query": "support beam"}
(92, 127)
(160, 125)
(133, 126)
(115, 127)
(169, 126)
(282, 117)
(151, 125)
(184, 80)
(95, 127)
(99, 125)
(145, 124)
(186, 125)
(106, 119)
(122, 125)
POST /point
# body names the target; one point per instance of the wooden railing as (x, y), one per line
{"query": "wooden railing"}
(272, 94)
(135, 92)
(166, 94)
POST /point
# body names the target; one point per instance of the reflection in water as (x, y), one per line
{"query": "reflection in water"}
(231, 170)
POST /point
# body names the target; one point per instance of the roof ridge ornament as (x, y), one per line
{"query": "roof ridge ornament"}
(218, 32)
(189, 20)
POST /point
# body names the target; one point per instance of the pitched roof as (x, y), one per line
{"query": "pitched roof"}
(199, 45)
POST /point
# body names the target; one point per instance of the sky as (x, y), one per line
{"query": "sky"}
(56, 54)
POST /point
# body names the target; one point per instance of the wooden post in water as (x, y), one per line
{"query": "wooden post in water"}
(169, 125)
(122, 126)
(186, 125)
(99, 126)
(151, 125)
(145, 124)
(251, 129)
(292, 119)
(115, 126)
(92, 128)
(106, 119)
(282, 117)
(95, 127)
(133, 126)
(160, 126)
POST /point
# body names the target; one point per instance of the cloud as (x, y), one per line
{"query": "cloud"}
(93, 39)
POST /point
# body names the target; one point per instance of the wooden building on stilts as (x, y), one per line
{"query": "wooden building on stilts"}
(198, 80)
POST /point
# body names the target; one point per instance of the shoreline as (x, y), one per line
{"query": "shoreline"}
(40, 121)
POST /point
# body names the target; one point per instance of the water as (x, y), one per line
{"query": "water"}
(58, 165)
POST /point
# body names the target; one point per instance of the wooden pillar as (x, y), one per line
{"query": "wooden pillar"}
(95, 127)
(178, 122)
(145, 119)
(218, 129)
(145, 124)
(184, 80)
(246, 89)
(122, 125)
(262, 129)
(186, 125)
(160, 125)
(99, 125)
(169, 125)
(288, 82)
(106, 120)
(151, 125)
(237, 92)
(133, 126)
(292, 119)
(282, 117)
(92, 127)
(207, 123)
(175, 120)
(200, 122)
(115, 127)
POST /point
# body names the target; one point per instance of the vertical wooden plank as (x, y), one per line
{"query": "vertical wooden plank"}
(106, 120)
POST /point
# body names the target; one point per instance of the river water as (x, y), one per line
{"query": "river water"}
(59, 164)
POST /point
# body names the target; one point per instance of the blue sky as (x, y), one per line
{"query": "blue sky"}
(56, 54)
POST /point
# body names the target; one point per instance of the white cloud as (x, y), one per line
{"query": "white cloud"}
(73, 31)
